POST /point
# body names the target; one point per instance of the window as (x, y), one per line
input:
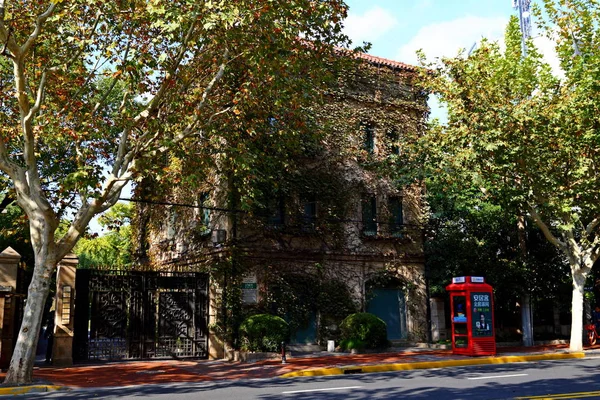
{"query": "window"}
(396, 216)
(203, 212)
(368, 131)
(369, 216)
(171, 224)
(393, 141)
(275, 211)
(309, 212)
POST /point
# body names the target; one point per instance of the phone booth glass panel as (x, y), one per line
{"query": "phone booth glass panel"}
(472, 319)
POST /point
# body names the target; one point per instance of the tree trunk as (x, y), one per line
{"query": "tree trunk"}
(577, 310)
(20, 370)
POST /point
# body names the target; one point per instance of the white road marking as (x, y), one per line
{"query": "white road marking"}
(322, 390)
(496, 376)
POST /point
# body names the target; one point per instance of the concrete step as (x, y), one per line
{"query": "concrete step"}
(304, 348)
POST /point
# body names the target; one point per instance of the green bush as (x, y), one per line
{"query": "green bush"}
(363, 331)
(263, 332)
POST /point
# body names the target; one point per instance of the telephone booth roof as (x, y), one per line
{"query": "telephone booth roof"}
(468, 283)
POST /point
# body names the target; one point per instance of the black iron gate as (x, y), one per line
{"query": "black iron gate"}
(137, 315)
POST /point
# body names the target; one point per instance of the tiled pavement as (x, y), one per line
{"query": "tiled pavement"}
(163, 371)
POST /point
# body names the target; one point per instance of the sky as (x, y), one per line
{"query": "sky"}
(397, 28)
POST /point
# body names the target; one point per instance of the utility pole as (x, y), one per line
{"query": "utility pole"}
(523, 8)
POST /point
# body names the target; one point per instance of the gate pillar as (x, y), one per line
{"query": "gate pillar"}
(216, 345)
(62, 350)
(9, 263)
(438, 319)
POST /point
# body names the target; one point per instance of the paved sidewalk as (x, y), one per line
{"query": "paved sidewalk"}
(313, 364)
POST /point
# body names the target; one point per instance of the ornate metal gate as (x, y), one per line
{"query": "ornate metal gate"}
(134, 314)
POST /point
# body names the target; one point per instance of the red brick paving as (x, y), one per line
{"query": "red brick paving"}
(149, 372)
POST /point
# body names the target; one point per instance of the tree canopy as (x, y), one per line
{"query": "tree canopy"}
(112, 249)
(526, 137)
(96, 93)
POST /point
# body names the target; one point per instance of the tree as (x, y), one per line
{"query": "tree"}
(113, 248)
(93, 92)
(469, 236)
(527, 138)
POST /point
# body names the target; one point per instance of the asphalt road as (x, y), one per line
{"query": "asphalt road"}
(572, 379)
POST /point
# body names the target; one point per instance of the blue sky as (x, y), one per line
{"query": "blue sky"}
(397, 28)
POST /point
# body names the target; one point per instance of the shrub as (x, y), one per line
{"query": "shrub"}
(263, 332)
(363, 331)
(299, 296)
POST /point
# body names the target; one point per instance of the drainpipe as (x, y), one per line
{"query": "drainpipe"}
(428, 309)
(427, 290)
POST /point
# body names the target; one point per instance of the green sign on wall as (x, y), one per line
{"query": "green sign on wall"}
(247, 285)
(481, 304)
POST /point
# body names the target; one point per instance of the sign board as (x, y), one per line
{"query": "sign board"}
(5, 289)
(460, 279)
(481, 314)
(249, 289)
(477, 279)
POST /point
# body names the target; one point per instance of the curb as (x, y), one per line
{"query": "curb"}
(16, 390)
(430, 364)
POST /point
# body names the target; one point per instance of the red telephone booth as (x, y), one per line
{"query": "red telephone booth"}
(472, 310)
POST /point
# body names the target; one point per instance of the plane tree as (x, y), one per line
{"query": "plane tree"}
(95, 92)
(527, 136)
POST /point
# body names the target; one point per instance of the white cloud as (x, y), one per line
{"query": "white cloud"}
(548, 50)
(446, 38)
(369, 26)
(422, 5)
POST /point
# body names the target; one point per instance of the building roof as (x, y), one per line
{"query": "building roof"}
(384, 61)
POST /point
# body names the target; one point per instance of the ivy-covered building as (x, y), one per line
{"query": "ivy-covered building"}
(336, 230)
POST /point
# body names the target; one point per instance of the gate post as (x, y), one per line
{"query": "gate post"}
(216, 342)
(9, 262)
(62, 351)
(438, 319)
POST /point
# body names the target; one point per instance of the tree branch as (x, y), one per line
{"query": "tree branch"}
(110, 195)
(39, 23)
(545, 230)
(592, 225)
(39, 97)
(121, 152)
(190, 128)
(27, 180)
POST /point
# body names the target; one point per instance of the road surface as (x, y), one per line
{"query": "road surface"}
(573, 379)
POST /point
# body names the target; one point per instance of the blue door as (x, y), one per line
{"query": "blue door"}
(307, 334)
(389, 304)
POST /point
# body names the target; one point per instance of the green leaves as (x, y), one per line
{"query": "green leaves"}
(527, 138)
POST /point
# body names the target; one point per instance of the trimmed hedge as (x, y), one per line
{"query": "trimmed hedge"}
(263, 332)
(363, 331)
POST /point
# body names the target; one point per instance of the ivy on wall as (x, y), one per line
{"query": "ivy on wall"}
(321, 156)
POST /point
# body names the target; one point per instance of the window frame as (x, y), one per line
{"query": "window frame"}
(369, 215)
(396, 215)
(367, 129)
